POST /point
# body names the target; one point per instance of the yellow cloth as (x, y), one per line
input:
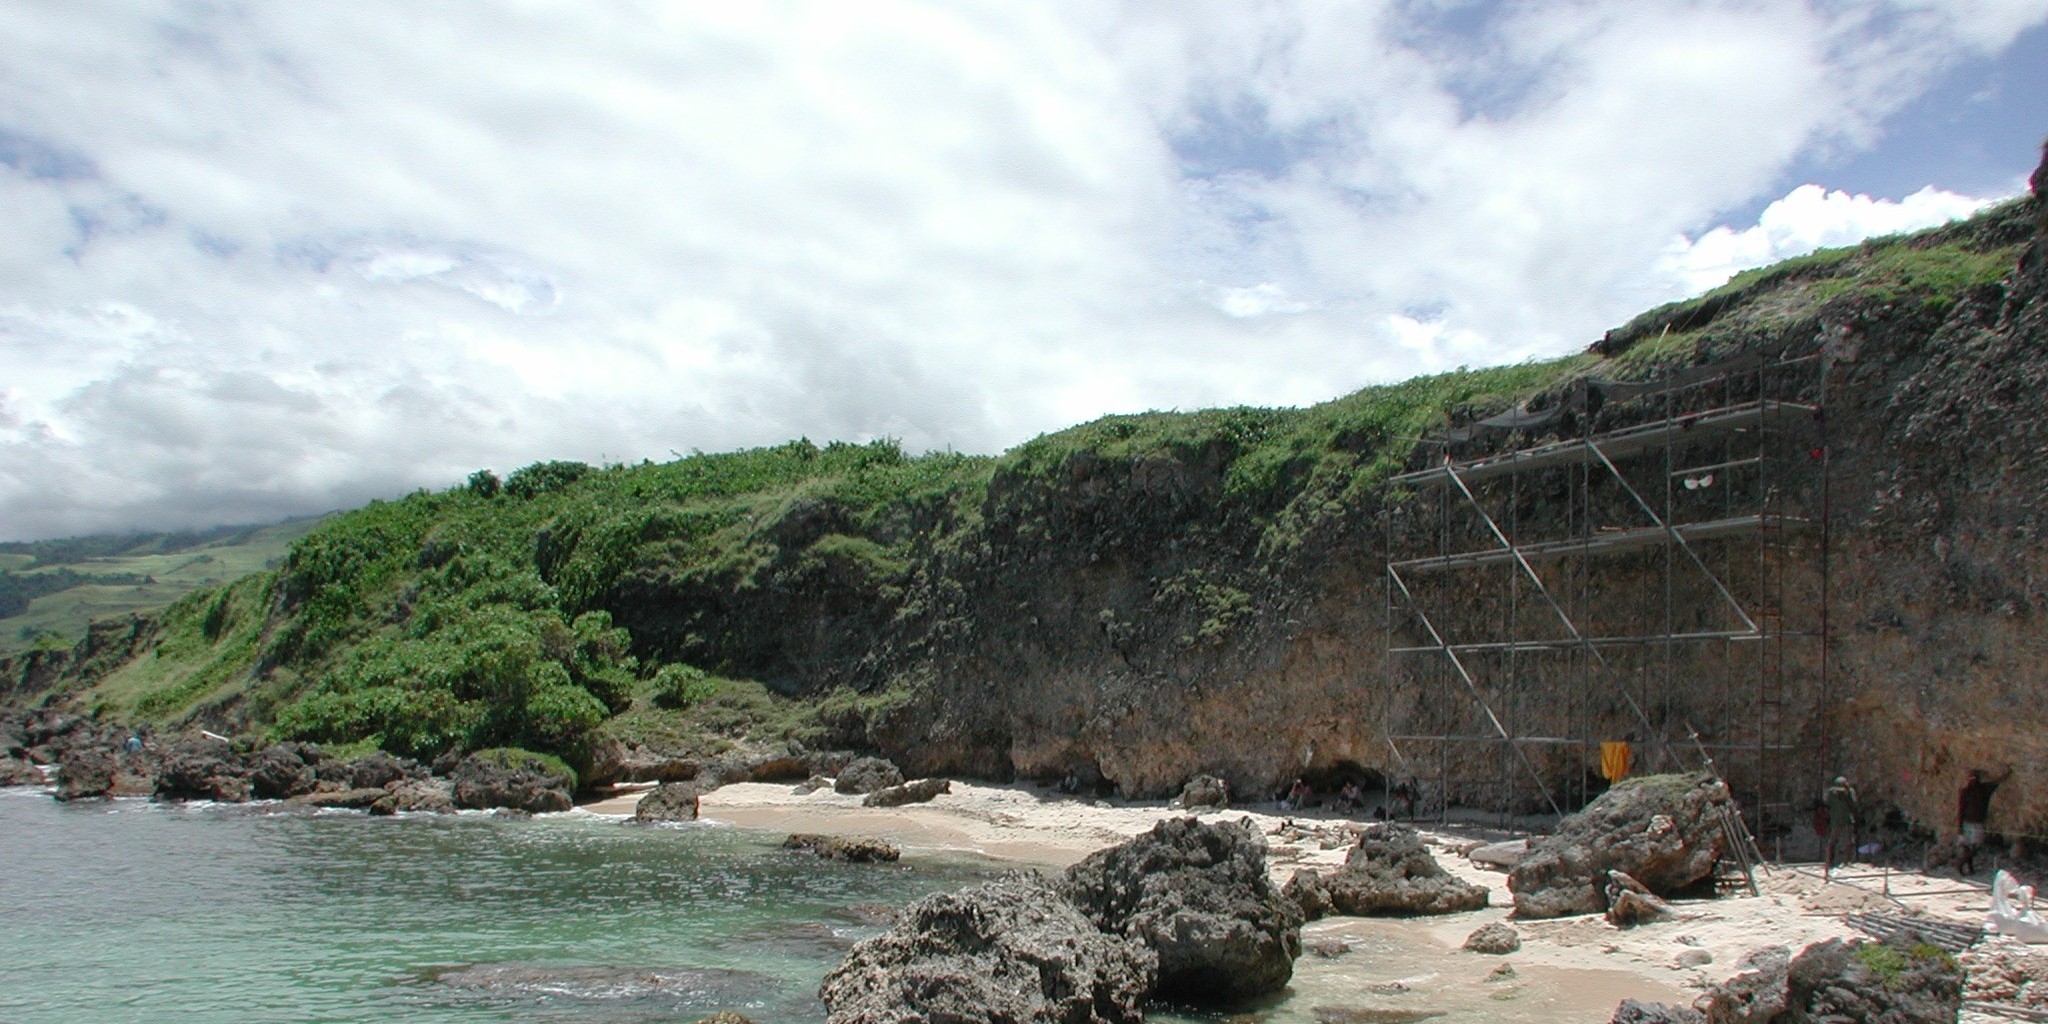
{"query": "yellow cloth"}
(1614, 760)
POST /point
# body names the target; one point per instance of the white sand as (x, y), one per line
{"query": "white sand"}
(1568, 969)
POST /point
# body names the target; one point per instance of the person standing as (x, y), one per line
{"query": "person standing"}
(1840, 799)
(1973, 809)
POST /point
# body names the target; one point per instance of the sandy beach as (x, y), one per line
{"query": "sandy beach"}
(1568, 969)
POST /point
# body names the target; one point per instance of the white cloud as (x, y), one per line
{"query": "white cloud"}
(1807, 218)
(274, 258)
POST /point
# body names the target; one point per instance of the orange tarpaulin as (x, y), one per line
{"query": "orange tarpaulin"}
(1614, 760)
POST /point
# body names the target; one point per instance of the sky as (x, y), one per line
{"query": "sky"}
(261, 260)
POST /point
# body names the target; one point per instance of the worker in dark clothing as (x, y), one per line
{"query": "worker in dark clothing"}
(1973, 809)
(1840, 799)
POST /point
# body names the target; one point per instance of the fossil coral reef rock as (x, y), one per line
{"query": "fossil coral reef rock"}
(1009, 950)
(867, 775)
(852, 849)
(1198, 895)
(670, 801)
(916, 791)
(1901, 980)
(1184, 912)
(1664, 831)
(1389, 873)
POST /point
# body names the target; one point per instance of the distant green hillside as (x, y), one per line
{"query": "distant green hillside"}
(798, 592)
(50, 589)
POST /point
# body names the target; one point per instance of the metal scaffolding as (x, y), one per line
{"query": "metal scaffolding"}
(1655, 576)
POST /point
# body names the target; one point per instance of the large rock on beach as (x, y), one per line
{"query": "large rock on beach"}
(867, 775)
(1662, 830)
(1009, 951)
(1902, 980)
(1494, 939)
(505, 779)
(914, 792)
(1629, 903)
(1389, 873)
(1635, 1012)
(1755, 994)
(852, 849)
(1198, 895)
(670, 801)
(1205, 791)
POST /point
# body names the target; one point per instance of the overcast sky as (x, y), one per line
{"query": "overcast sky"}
(276, 258)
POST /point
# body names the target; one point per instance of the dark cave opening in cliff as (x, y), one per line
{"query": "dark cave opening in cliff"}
(1327, 785)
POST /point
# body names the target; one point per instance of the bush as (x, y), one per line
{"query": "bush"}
(542, 477)
(682, 686)
(484, 484)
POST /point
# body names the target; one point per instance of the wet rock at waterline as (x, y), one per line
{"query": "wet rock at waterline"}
(670, 801)
(540, 983)
(1389, 873)
(852, 849)
(527, 785)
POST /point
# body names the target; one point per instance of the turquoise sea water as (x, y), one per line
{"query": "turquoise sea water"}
(132, 911)
(124, 911)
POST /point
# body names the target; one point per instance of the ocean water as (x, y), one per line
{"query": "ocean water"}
(133, 911)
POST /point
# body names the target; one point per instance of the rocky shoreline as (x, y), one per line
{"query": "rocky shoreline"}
(1188, 912)
(94, 760)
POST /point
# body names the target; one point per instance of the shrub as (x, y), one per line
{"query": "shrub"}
(682, 686)
(542, 477)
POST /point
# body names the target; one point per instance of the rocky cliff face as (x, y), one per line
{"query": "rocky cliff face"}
(1115, 623)
(1213, 597)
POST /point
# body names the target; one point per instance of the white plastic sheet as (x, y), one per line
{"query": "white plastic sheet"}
(2012, 910)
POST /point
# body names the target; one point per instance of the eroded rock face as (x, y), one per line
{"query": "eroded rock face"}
(867, 775)
(1662, 830)
(670, 801)
(529, 786)
(1389, 873)
(1010, 950)
(915, 792)
(1197, 894)
(852, 849)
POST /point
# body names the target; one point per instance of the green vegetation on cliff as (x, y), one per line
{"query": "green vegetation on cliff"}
(803, 593)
